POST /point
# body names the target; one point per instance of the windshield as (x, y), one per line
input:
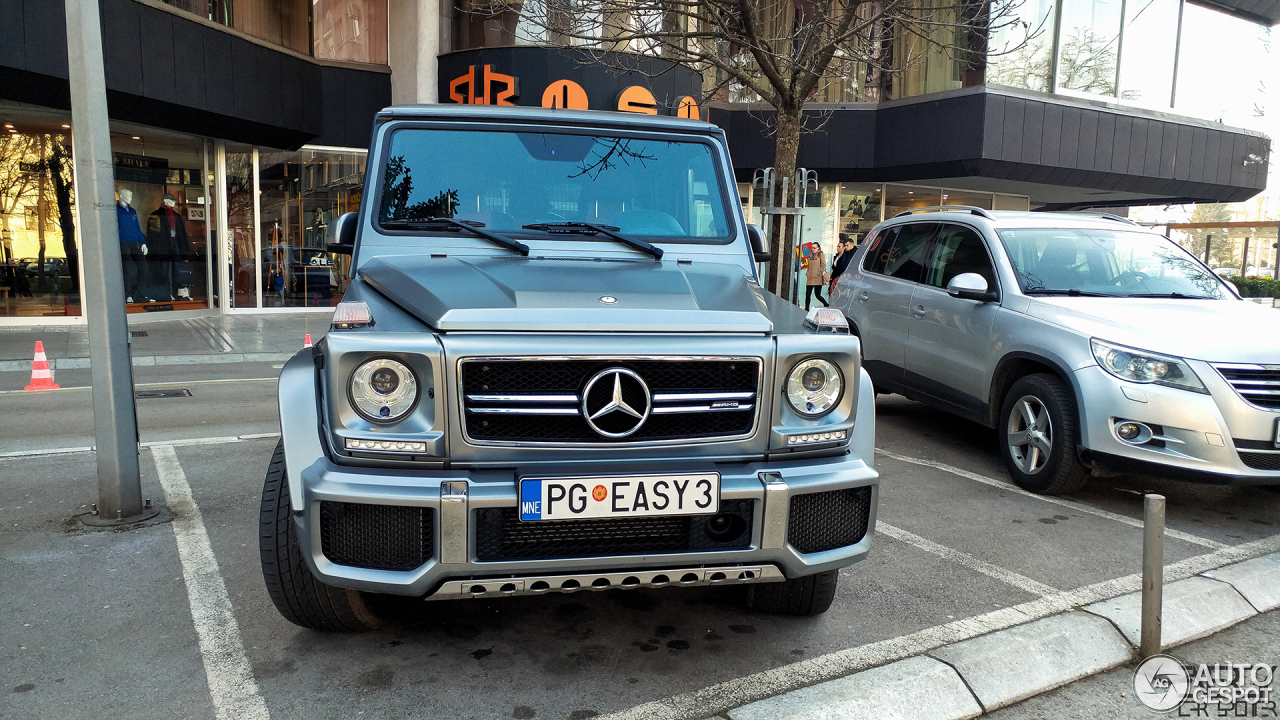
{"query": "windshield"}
(661, 188)
(1115, 263)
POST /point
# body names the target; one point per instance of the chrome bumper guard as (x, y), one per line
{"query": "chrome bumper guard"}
(543, 584)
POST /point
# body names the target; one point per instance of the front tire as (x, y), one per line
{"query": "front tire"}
(298, 595)
(807, 595)
(1040, 436)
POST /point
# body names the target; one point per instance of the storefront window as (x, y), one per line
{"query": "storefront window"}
(982, 200)
(39, 275)
(1021, 49)
(906, 197)
(240, 221)
(859, 206)
(302, 194)
(353, 30)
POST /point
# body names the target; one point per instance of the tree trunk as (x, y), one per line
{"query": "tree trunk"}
(782, 244)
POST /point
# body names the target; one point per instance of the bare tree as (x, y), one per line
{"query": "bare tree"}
(786, 53)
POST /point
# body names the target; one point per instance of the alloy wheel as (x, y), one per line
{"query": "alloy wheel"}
(1030, 434)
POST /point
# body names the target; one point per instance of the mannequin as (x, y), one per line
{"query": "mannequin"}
(133, 247)
(167, 234)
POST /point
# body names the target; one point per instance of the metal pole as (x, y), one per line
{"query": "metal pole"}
(1244, 259)
(115, 422)
(1208, 241)
(1152, 573)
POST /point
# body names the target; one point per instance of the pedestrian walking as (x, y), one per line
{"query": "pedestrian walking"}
(816, 277)
(843, 255)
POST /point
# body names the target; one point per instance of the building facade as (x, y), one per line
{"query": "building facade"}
(240, 127)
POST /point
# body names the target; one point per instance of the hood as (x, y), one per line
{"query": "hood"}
(1210, 330)
(497, 293)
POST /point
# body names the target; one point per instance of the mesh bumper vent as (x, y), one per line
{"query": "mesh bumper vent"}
(500, 535)
(379, 537)
(828, 520)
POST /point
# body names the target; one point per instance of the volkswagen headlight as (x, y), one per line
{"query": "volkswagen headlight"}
(814, 386)
(383, 390)
(1141, 366)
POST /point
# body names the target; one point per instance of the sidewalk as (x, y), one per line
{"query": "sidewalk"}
(220, 339)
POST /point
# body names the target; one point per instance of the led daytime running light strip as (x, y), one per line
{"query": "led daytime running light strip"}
(385, 445)
(817, 437)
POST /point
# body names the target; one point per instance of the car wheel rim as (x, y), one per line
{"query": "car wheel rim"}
(1030, 434)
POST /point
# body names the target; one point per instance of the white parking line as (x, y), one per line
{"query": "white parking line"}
(222, 440)
(1022, 582)
(1010, 487)
(740, 691)
(231, 682)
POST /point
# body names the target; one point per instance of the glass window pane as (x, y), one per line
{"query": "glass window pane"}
(39, 248)
(901, 251)
(1225, 81)
(354, 30)
(1146, 60)
(951, 196)
(1089, 42)
(959, 250)
(240, 220)
(859, 209)
(1021, 48)
(906, 197)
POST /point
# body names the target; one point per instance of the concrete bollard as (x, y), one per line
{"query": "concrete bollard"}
(1152, 573)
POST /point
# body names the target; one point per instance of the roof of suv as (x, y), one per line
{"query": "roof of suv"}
(519, 113)
(1025, 219)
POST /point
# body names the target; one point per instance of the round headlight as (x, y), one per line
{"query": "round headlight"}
(383, 390)
(814, 387)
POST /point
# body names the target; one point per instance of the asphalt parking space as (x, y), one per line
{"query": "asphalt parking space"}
(1049, 543)
(94, 623)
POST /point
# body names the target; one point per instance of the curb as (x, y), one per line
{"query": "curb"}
(151, 360)
(1011, 665)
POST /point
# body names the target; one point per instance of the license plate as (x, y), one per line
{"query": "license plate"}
(576, 498)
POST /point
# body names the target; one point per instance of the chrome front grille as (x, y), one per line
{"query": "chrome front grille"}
(540, 400)
(1259, 385)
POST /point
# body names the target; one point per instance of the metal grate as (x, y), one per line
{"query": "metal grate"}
(380, 537)
(828, 520)
(559, 384)
(500, 535)
(1257, 384)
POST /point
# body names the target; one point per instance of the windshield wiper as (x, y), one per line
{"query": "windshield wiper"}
(1072, 293)
(475, 228)
(581, 228)
(1177, 295)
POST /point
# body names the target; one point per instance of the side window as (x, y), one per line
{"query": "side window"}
(959, 249)
(900, 252)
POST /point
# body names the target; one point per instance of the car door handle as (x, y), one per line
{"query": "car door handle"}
(918, 311)
(863, 296)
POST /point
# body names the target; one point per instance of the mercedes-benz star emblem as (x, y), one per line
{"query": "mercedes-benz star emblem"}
(616, 402)
(609, 300)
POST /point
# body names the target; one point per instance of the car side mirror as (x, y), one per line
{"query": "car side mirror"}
(758, 249)
(342, 234)
(970, 286)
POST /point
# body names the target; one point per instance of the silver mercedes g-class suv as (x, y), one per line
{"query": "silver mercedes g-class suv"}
(555, 370)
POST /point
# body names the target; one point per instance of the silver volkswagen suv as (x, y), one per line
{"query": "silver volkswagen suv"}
(1091, 345)
(555, 370)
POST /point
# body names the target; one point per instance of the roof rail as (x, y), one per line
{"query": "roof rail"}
(1117, 218)
(941, 208)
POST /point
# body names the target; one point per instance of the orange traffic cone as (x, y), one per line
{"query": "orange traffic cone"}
(307, 342)
(41, 377)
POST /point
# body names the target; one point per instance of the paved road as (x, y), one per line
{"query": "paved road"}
(91, 616)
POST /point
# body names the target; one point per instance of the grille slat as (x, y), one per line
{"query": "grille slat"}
(500, 535)
(669, 381)
(379, 537)
(828, 520)
(1257, 384)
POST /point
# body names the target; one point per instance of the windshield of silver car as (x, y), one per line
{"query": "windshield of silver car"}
(1108, 263)
(506, 180)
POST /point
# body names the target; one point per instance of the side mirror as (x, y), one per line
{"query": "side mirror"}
(970, 286)
(342, 234)
(758, 249)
